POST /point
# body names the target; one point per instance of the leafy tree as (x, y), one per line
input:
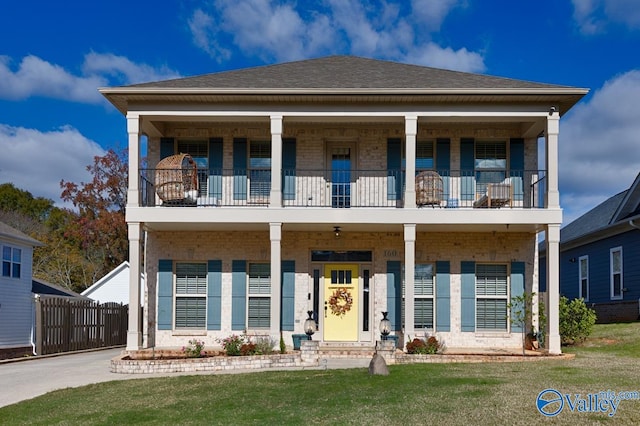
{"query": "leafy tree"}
(100, 229)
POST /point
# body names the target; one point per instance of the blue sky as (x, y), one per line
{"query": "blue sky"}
(55, 55)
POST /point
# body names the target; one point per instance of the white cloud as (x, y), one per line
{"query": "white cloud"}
(37, 77)
(282, 31)
(37, 161)
(594, 16)
(598, 151)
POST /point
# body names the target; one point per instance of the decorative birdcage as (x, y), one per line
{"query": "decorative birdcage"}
(176, 177)
(428, 188)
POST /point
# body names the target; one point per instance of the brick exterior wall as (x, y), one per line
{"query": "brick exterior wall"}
(616, 311)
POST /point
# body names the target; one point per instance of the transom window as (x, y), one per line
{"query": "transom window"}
(259, 296)
(491, 297)
(616, 272)
(191, 295)
(583, 278)
(11, 262)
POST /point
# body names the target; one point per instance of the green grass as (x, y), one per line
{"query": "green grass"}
(476, 394)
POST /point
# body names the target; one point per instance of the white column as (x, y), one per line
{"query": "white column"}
(134, 336)
(409, 278)
(276, 162)
(411, 131)
(553, 289)
(275, 235)
(552, 196)
(133, 129)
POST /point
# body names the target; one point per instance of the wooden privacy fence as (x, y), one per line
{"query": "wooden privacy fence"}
(64, 325)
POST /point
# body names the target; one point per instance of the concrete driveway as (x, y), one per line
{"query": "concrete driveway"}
(31, 377)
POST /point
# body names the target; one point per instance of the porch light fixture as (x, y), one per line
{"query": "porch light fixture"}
(385, 326)
(336, 231)
(309, 325)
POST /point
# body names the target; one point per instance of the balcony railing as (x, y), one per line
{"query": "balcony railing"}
(347, 188)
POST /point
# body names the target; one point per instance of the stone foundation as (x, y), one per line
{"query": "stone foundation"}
(8, 353)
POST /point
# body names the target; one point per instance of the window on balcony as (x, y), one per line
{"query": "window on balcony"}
(259, 170)
(425, 159)
(199, 151)
(490, 163)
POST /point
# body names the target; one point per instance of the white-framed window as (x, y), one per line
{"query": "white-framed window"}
(583, 277)
(423, 305)
(11, 262)
(259, 296)
(423, 296)
(492, 297)
(490, 163)
(199, 151)
(259, 170)
(615, 256)
(190, 295)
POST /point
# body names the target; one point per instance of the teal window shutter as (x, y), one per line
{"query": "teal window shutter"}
(240, 169)
(443, 165)
(394, 169)
(165, 294)
(214, 294)
(238, 294)
(394, 294)
(215, 168)
(289, 169)
(468, 296)
(467, 169)
(517, 289)
(166, 147)
(516, 166)
(443, 296)
(287, 309)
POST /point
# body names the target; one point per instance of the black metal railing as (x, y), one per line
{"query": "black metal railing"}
(347, 188)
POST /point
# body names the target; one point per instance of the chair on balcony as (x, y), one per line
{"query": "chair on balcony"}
(177, 179)
(428, 188)
(497, 195)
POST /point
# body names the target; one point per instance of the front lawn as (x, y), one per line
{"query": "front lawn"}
(475, 394)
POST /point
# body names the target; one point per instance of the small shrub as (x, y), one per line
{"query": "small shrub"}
(283, 347)
(194, 348)
(264, 345)
(248, 349)
(232, 344)
(576, 321)
(419, 346)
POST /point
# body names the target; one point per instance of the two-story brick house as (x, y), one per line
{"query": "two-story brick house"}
(345, 186)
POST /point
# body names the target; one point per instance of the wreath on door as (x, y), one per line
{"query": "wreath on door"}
(340, 302)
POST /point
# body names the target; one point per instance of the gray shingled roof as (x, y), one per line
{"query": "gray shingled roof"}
(345, 72)
(9, 232)
(595, 219)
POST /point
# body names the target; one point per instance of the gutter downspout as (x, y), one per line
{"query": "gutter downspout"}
(633, 225)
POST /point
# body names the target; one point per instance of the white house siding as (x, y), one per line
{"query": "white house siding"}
(114, 287)
(255, 246)
(16, 304)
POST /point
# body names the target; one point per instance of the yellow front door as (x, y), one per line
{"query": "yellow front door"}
(341, 303)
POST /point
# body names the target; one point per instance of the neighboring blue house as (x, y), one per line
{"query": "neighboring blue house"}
(16, 302)
(600, 257)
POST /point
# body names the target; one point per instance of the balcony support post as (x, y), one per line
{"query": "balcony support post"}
(275, 199)
(411, 131)
(552, 198)
(134, 336)
(133, 129)
(275, 235)
(553, 288)
(409, 277)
